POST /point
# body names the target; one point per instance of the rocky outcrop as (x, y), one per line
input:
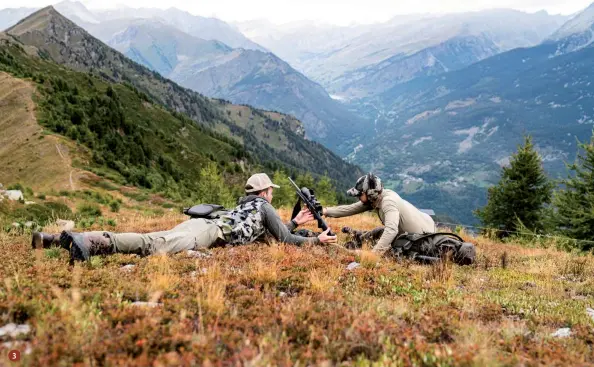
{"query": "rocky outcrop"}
(13, 195)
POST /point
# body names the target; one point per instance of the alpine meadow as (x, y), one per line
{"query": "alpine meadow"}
(268, 187)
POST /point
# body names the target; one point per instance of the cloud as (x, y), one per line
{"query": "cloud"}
(331, 11)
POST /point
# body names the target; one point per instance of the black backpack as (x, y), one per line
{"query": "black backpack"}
(431, 247)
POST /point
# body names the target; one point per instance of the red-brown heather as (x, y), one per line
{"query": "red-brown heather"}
(274, 304)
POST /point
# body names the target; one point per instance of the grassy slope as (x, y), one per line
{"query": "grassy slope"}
(46, 30)
(26, 153)
(276, 305)
(188, 145)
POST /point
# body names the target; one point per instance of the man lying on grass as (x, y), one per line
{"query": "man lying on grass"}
(252, 218)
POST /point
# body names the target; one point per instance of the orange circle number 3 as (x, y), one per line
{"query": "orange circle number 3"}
(14, 355)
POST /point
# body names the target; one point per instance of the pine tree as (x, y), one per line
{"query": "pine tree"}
(520, 195)
(305, 180)
(212, 187)
(325, 192)
(574, 204)
(285, 197)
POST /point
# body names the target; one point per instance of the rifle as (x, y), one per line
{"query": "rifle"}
(308, 197)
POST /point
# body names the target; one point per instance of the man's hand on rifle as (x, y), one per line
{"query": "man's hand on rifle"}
(303, 217)
(326, 239)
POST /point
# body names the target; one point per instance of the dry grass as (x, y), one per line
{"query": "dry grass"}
(324, 280)
(277, 304)
(161, 275)
(441, 272)
(211, 289)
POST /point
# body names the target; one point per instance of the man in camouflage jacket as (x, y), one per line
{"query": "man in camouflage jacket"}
(253, 217)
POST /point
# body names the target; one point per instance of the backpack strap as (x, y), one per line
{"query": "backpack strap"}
(427, 235)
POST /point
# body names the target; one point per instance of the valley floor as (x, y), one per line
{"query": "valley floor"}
(263, 305)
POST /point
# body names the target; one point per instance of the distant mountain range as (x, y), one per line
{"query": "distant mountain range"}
(243, 76)
(201, 27)
(361, 61)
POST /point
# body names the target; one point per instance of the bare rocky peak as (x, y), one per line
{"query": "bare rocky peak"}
(580, 23)
(38, 21)
(64, 41)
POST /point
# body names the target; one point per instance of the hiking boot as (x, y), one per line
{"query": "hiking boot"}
(84, 245)
(41, 240)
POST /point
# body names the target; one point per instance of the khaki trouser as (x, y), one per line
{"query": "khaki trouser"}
(193, 234)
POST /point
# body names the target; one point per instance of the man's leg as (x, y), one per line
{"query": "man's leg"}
(359, 237)
(189, 235)
(373, 235)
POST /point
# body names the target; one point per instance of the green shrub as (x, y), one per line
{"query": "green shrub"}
(138, 196)
(59, 210)
(106, 184)
(52, 253)
(16, 186)
(41, 214)
(114, 206)
(89, 210)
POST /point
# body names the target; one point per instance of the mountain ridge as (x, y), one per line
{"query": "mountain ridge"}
(243, 76)
(47, 28)
(337, 57)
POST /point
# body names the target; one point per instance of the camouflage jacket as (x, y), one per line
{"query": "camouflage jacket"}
(254, 217)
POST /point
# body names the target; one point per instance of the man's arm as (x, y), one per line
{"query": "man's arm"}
(276, 227)
(392, 221)
(346, 210)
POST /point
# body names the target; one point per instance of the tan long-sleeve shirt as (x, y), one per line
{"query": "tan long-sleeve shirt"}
(397, 215)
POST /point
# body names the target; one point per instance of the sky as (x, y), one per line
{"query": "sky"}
(342, 12)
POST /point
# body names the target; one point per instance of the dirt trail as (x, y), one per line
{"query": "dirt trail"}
(60, 152)
(72, 187)
(26, 155)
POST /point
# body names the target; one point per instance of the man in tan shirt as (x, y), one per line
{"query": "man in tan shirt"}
(397, 215)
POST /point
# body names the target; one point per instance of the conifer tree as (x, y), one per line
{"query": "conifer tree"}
(212, 187)
(325, 192)
(285, 197)
(305, 180)
(574, 203)
(521, 195)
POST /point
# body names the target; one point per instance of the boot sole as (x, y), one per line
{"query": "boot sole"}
(76, 254)
(68, 242)
(65, 240)
(37, 241)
